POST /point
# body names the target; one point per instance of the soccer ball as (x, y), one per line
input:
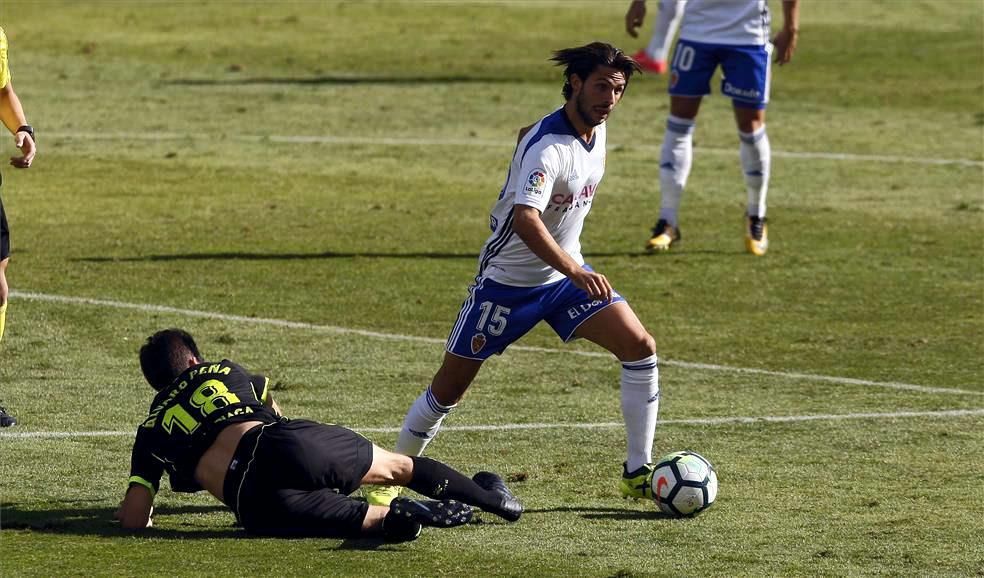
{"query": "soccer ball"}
(684, 484)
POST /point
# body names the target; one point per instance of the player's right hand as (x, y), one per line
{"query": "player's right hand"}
(784, 45)
(635, 16)
(25, 143)
(594, 284)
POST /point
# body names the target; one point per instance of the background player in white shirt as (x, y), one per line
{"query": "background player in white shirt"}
(652, 58)
(732, 34)
(531, 268)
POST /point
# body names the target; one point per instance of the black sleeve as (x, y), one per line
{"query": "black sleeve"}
(145, 468)
(261, 386)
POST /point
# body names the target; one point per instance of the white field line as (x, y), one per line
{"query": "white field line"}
(485, 143)
(711, 421)
(419, 339)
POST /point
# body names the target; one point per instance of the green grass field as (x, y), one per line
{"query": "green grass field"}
(229, 167)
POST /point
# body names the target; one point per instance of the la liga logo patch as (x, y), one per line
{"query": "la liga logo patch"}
(535, 182)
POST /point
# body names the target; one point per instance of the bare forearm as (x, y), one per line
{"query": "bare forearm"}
(790, 15)
(137, 508)
(272, 404)
(11, 111)
(529, 227)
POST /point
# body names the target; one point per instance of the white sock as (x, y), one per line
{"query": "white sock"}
(421, 424)
(640, 405)
(675, 159)
(756, 159)
(665, 28)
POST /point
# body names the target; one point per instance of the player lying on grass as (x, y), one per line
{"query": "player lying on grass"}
(214, 426)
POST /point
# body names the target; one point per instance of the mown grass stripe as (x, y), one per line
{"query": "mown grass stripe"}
(421, 339)
(485, 143)
(727, 420)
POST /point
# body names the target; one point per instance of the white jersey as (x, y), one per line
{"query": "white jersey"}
(733, 22)
(555, 171)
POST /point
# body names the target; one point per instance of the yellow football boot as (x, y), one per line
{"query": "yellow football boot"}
(664, 235)
(756, 236)
(381, 495)
(637, 484)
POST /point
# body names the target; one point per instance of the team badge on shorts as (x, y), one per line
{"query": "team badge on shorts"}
(535, 182)
(477, 343)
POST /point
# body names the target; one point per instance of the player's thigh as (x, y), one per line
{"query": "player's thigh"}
(4, 238)
(569, 306)
(747, 72)
(3, 281)
(691, 69)
(618, 329)
(305, 454)
(388, 468)
(493, 317)
(322, 512)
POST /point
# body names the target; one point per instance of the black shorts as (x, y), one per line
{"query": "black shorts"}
(293, 478)
(4, 234)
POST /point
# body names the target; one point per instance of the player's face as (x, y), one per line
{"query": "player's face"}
(598, 94)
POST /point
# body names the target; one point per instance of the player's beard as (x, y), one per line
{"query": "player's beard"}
(585, 112)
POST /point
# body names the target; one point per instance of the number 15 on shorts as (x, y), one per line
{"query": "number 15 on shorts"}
(493, 318)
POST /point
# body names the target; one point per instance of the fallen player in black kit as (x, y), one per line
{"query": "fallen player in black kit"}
(214, 426)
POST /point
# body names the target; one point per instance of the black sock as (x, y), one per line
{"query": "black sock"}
(436, 480)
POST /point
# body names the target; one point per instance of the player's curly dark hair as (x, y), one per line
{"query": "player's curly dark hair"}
(165, 356)
(583, 60)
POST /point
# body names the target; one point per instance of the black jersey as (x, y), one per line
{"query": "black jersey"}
(187, 416)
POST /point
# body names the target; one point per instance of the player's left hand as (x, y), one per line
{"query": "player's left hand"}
(25, 143)
(635, 16)
(594, 284)
(784, 45)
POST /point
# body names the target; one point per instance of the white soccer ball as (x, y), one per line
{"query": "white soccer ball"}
(684, 484)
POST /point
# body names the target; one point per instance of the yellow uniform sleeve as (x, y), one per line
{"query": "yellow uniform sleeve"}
(4, 69)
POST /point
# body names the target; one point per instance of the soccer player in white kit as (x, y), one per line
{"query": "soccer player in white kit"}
(652, 58)
(732, 34)
(531, 268)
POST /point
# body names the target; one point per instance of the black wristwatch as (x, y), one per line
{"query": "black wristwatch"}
(28, 129)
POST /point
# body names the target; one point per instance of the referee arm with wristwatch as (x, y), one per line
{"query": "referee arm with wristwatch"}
(12, 113)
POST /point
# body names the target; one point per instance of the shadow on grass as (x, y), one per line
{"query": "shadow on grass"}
(241, 256)
(377, 543)
(76, 518)
(605, 513)
(244, 256)
(347, 80)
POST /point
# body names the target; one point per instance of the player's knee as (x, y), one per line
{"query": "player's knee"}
(388, 468)
(642, 346)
